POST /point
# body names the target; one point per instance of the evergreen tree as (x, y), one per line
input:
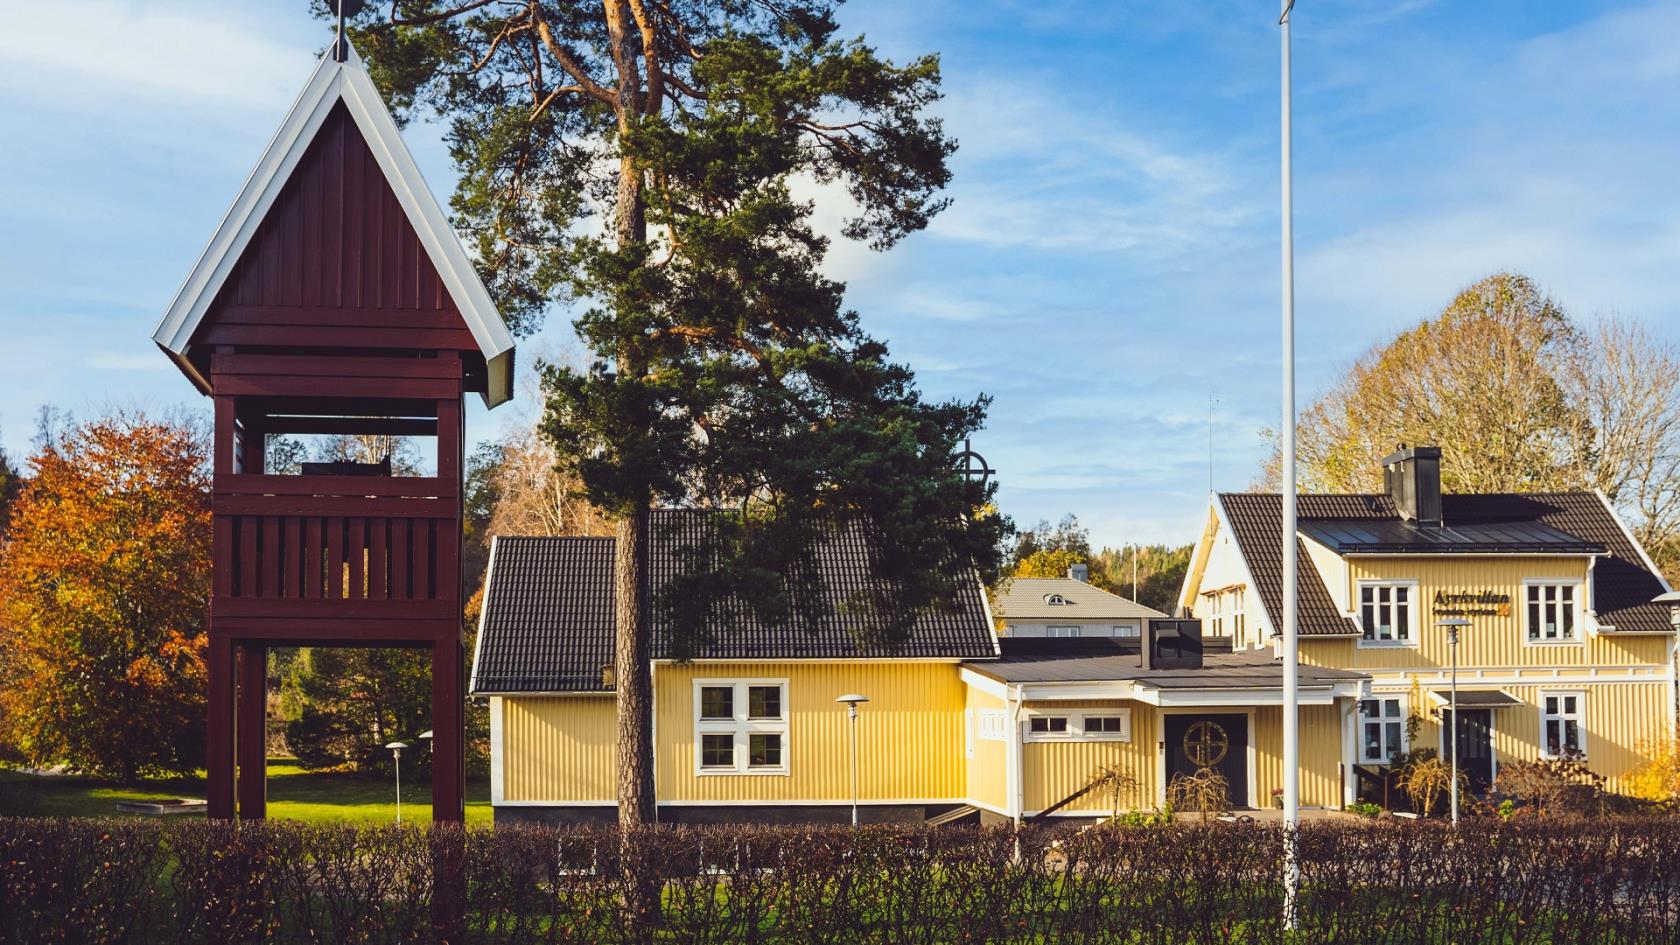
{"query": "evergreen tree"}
(726, 372)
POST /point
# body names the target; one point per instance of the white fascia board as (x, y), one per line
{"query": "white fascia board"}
(1095, 689)
(483, 608)
(331, 83)
(1176, 698)
(1248, 573)
(983, 683)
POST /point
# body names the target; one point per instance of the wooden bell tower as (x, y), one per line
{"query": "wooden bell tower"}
(334, 299)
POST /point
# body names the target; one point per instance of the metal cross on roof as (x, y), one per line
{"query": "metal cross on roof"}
(972, 465)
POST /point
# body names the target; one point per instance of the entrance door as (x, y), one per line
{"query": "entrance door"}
(1475, 746)
(1217, 742)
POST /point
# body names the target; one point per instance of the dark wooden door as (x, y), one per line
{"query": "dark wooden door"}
(1218, 742)
(1475, 746)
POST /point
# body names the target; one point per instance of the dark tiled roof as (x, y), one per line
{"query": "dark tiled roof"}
(1622, 585)
(549, 614)
(1247, 669)
(1398, 537)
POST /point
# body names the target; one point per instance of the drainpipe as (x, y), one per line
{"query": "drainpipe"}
(1017, 792)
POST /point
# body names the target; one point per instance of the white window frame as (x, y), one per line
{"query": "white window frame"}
(1214, 620)
(1239, 632)
(1076, 730)
(1128, 631)
(994, 725)
(1055, 600)
(1124, 735)
(1400, 700)
(1577, 624)
(1050, 631)
(1579, 717)
(742, 728)
(1412, 604)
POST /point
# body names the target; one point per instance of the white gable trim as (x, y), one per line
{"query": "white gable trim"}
(331, 83)
(1644, 556)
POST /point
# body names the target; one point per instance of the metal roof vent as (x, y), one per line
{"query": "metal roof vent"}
(1412, 476)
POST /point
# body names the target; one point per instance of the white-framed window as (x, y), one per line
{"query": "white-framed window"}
(1108, 725)
(1386, 613)
(1382, 729)
(1061, 632)
(1129, 631)
(1238, 625)
(1551, 611)
(1562, 732)
(1215, 619)
(1048, 726)
(740, 726)
(994, 726)
(1055, 600)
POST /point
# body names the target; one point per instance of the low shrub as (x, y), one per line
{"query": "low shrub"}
(1528, 880)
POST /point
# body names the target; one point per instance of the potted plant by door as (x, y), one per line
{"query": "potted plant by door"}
(1277, 798)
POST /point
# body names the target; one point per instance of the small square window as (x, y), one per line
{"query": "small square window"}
(717, 702)
(1048, 725)
(764, 702)
(718, 751)
(764, 751)
(1062, 631)
(1104, 724)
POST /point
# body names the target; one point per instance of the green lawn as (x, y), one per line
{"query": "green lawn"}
(292, 793)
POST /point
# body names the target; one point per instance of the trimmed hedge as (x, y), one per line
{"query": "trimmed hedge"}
(1607, 880)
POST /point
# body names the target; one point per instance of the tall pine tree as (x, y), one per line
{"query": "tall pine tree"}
(644, 159)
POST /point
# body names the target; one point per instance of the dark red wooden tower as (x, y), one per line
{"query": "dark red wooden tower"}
(334, 299)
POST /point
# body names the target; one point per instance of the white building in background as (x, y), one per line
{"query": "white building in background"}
(1067, 607)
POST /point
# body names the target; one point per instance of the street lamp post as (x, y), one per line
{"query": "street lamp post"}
(396, 755)
(1453, 624)
(852, 700)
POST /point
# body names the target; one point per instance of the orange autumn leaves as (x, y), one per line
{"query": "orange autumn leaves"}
(104, 579)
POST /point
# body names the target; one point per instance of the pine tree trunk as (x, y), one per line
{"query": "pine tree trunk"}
(633, 669)
(632, 644)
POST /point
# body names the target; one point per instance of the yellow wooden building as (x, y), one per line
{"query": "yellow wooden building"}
(1565, 653)
(959, 724)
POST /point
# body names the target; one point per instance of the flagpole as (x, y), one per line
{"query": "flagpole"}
(1291, 696)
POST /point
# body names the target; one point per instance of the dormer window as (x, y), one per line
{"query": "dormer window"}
(1055, 600)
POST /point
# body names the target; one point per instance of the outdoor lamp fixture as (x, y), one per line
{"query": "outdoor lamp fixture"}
(1452, 624)
(852, 701)
(396, 754)
(1672, 599)
(426, 737)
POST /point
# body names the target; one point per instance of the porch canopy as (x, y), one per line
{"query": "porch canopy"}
(1244, 678)
(1477, 698)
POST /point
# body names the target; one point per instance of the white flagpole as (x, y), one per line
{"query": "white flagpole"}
(1291, 697)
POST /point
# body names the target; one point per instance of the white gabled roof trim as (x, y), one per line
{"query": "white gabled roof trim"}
(331, 83)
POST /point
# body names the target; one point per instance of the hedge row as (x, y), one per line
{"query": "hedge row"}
(1604, 881)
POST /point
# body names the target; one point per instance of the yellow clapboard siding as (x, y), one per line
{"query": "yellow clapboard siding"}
(1618, 719)
(987, 775)
(1321, 754)
(1051, 771)
(1497, 640)
(910, 734)
(558, 748)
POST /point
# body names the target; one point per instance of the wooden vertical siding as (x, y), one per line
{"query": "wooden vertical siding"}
(1321, 754)
(987, 776)
(1619, 718)
(558, 748)
(910, 734)
(1053, 770)
(1492, 640)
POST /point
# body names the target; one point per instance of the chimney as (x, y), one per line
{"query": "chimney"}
(1413, 478)
(1171, 644)
(1080, 573)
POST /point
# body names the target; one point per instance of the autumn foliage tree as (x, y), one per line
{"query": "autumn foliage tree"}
(104, 580)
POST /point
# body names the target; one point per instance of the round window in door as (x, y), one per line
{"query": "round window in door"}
(1206, 743)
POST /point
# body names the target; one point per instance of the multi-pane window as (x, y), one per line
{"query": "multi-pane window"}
(1382, 730)
(1238, 624)
(1385, 613)
(1048, 725)
(1551, 613)
(1560, 725)
(1062, 631)
(1215, 618)
(741, 727)
(1128, 630)
(1115, 727)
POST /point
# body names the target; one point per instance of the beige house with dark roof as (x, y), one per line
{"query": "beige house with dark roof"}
(1567, 653)
(1066, 607)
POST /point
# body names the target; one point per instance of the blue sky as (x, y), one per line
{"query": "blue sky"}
(1110, 261)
